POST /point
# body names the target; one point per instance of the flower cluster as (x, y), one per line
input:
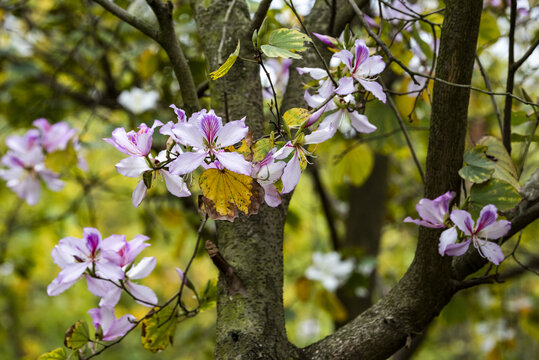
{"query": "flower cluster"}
(435, 214)
(25, 159)
(358, 71)
(330, 270)
(108, 265)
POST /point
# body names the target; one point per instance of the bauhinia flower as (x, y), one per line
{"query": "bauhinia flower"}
(77, 256)
(127, 251)
(137, 100)
(486, 228)
(107, 326)
(205, 133)
(327, 40)
(25, 162)
(292, 170)
(363, 68)
(433, 213)
(56, 136)
(134, 166)
(134, 143)
(329, 269)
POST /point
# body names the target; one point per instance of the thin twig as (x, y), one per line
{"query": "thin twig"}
(489, 87)
(391, 104)
(506, 131)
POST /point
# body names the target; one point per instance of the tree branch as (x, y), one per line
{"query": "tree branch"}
(260, 14)
(510, 80)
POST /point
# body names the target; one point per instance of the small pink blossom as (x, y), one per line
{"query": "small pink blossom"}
(134, 143)
(108, 325)
(56, 136)
(433, 213)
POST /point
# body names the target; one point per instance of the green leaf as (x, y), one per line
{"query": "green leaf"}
(262, 31)
(296, 116)
(77, 335)
(349, 163)
(261, 148)
(489, 31)
(523, 138)
(477, 157)
(497, 192)
(284, 43)
(158, 329)
(425, 48)
(56, 354)
(223, 70)
(505, 169)
(475, 174)
(519, 117)
(209, 295)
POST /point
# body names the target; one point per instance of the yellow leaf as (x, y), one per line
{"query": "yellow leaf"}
(244, 147)
(331, 304)
(296, 116)
(225, 194)
(303, 288)
(223, 70)
(261, 148)
(158, 330)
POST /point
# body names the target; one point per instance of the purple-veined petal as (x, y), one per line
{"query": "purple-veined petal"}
(495, 230)
(186, 163)
(139, 193)
(210, 124)
(132, 166)
(180, 114)
(372, 66)
(232, 133)
(143, 293)
(346, 86)
(270, 173)
(235, 162)
(375, 88)
(315, 73)
(491, 251)
(92, 236)
(61, 258)
(463, 220)
(175, 184)
(448, 237)
(346, 58)
(487, 217)
(189, 134)
(108, 292)
(430, 211)
(291, 174)
(457, 249)
(271, 195)
(134, 247)
(322, 134)
(121, 141)
(167, 130)
(28, 189)
(113, 243)
(362, 54)
(142, 269)
(361, 122)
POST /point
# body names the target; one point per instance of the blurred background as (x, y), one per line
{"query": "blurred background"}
(72, 61)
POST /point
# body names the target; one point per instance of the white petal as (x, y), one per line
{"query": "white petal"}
(372, 66)
(361, 122)
(175, 184)
(143, 293)
(492, 252)
(235, 162)
(291, 174)
(139, 193)
(320, 135)
(463, 220)
(132, 166)
(346, 86)
(232, 133)
(186, 163)
(375, 88)
(447, 237)
(142, 269)
(271, 195)
(189, 134)
(495, 230)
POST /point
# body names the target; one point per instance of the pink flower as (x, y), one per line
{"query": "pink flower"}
(205, 133)
(54, 137)
(76, 256)
(107, 325)
(134, 143)
(486, 228)
(328, 40)
(433, 212)
(363, 68)
(25, 162)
